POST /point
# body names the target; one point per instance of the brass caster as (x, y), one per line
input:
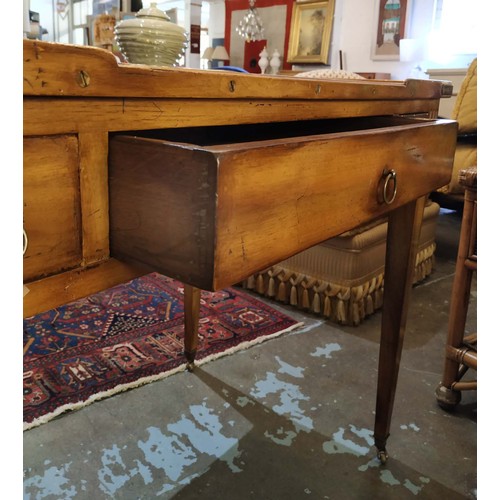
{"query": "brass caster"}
(190, 358)
(383, 456)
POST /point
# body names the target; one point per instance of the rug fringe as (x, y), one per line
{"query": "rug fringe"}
(247, 344)
(153, 378)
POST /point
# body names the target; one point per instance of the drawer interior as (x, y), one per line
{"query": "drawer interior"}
(207, 136)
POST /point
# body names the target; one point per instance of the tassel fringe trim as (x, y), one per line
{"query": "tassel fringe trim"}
(341, 304)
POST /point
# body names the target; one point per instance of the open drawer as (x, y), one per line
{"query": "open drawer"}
(209, 206)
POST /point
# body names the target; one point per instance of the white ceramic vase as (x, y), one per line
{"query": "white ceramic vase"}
(275, 63)
(264, 60)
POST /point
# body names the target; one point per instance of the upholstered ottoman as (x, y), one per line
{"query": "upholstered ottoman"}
(343, 277)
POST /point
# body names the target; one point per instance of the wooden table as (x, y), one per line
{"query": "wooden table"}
(239, 170)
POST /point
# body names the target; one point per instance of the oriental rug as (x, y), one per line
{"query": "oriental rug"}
(129, 335)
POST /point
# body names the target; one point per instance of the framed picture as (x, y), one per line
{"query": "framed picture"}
(390, 27)
(310, 32)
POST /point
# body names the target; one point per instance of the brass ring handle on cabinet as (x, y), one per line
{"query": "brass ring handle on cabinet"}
(25, 241)
(389, 175)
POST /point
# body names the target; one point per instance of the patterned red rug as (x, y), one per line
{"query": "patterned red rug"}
(127, 336)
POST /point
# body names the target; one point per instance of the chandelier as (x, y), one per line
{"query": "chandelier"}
(250, 27)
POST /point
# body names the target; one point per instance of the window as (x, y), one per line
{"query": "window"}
(81, 10)
(454, 38)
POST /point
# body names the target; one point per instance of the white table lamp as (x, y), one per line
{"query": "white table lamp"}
(220, 54)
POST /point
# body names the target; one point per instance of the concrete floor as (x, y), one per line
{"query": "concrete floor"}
(289, 419)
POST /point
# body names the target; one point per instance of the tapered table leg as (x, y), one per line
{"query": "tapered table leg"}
(402, 243)
(192, 297)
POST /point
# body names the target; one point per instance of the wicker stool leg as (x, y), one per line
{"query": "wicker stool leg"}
(457, 353)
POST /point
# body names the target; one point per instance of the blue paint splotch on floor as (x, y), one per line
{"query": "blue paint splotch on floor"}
(326, 351)
(363, 447)
(243, 401)
(53, 483)
(281, 437)
(411, 426)
(287, 369)
(204, 432)
(165, 460)
(115, 474)
(353, 440)
(387, 477)
(290, 397)
(341, 444)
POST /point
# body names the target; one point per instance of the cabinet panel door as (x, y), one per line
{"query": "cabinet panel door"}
(51, 201)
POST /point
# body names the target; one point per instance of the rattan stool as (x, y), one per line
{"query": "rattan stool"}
(461, 351)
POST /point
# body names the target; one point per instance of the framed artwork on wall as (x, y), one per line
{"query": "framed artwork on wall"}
(390, 27)
(310, 32)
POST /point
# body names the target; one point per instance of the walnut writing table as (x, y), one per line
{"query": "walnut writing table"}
(130, 167)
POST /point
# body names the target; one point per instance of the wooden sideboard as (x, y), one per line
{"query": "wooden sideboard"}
(130, 168)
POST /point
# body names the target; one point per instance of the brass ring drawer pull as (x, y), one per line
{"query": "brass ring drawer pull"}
(389, 175)
(25, 241)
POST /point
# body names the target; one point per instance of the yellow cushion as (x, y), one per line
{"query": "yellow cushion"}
(465, 109)
(465, 156)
